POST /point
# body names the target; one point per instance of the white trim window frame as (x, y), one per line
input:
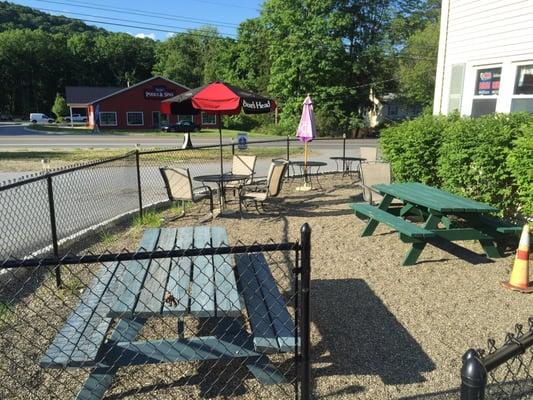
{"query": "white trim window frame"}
(472, 89)
(186, 118)
(213, 122)
(516, 67)
(114, 113)
(134, 112)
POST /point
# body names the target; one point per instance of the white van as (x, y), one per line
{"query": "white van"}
(39, 118)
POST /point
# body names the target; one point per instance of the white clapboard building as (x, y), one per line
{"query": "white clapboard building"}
(485, 61)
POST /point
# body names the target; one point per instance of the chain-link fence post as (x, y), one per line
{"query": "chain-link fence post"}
(305, 233)
(139, 189)
(473, 377)
(288, 154)
(53, 226)
(232, 147)
(343, 153)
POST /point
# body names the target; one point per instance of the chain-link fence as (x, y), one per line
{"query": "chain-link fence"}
(186, 315)
(500, 373)
(38, 214)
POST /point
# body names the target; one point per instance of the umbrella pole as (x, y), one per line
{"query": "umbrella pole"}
(306, 178)
(220, 143)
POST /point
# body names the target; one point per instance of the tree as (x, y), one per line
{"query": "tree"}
(418, 66)
(60, 108)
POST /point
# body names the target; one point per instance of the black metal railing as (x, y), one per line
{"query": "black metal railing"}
(167, 321)
(500, 373)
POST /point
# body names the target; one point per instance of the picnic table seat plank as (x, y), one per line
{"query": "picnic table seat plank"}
(497, 225)
(366, 211)
(202, 286)
(265, 339)
(78, 342)
(133, 278)
(281, 320)
(152, 293)
(179, 279)
(227, 299)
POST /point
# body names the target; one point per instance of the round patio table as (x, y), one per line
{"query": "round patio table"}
(347, 163)
(221, 180)
(306, 172)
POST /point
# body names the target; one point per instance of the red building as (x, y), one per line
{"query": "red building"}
(134, 107)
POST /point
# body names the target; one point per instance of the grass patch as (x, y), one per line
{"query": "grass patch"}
(30, 159)
(149, 219)
(107, 238)
(5, 313)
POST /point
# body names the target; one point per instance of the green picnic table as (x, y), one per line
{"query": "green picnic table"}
(448, 217)
(101, 332)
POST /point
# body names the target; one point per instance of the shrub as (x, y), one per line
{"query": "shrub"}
(244, 122)
(412, 148)
(520, 163)
(273, 130)
(473, 159)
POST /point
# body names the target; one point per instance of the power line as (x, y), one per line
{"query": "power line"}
(175, 28)
(219, 3)
(142, 13)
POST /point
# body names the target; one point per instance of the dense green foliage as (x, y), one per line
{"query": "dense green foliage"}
(488, 159)
(336, 50)
(60, 108)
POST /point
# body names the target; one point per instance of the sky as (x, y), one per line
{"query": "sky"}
(157, 19)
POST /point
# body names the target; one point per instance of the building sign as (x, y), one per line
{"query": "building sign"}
(158, 93)
(488, 81)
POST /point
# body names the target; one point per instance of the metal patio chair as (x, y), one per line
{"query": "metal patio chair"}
(370, 154)
(261, 193)
(179, 187)
(242, 165)
(373, 173)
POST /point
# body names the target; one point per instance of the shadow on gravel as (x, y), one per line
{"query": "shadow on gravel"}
(360, 336)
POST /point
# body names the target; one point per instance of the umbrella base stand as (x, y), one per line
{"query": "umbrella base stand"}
(305, 188)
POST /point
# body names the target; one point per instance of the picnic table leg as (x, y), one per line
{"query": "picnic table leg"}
(412, 255)
(372, 223)
(101, 378)
(490, 249)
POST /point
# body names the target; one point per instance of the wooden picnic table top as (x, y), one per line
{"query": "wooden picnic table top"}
(433, 198)
(202, 286)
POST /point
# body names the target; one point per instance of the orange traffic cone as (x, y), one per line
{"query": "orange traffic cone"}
(519, 279)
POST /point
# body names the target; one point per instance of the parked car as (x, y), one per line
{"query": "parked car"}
(76, 118)
(182, 126)
(40, 118)
(6, 117)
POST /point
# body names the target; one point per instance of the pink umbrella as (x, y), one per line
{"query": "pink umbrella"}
(307, 128)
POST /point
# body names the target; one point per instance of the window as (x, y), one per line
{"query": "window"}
(486, 91)
(108, 118)
(184, 117)
(392, 109)
(523, 89)
(208, 119)
(135, 118)
(455, 97)
(488, 82)
(524, 80)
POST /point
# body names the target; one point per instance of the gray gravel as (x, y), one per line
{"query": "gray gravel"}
(379, 330)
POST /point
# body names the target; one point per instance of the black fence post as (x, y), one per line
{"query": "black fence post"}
(305, 233)
(288, 154)
(343, 153)
(139, 182)
(53, 227)
(232, 147)
(473, 377)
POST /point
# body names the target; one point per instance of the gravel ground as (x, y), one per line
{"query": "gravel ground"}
(379, 330)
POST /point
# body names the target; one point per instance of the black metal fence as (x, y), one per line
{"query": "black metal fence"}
(38, 215)
(500, 373)
(174, 319)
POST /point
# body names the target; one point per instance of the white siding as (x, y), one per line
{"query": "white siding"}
(479, 33)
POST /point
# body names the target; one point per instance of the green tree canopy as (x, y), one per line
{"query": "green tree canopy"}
(60, 108)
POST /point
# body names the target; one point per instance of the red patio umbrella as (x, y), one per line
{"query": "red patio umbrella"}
(218, 98)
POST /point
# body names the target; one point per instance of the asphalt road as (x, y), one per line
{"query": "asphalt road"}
(16, 136)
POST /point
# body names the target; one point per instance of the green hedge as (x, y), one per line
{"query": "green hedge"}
(488, 159)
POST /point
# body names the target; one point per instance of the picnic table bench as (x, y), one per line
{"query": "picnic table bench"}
(439, 208)
(203, 286)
